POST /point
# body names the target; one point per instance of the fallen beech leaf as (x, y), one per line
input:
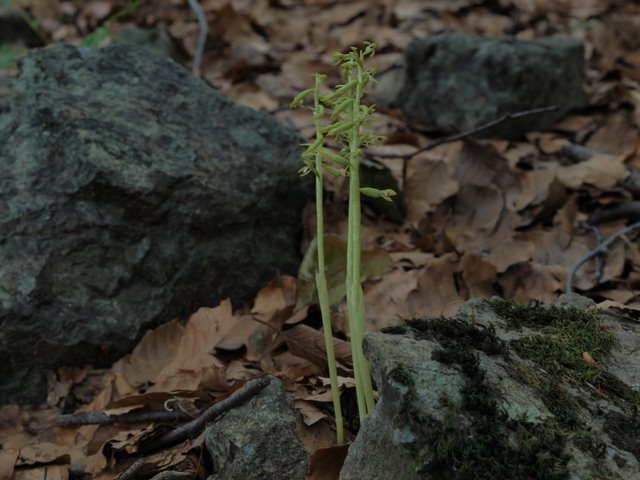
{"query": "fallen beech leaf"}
(150, 356)
(617, 135)
(436, 293)
(531, 281)
(477, 211)
(308, 343)
(7, 462)
(602, 171)
(326, 463)
(429, 182)
(479, 276)
(310, 413)
(279, 294)
(620, 310)
(193, 360)
(44, 452)
(46, 472)
(386, 300)
(293, 367)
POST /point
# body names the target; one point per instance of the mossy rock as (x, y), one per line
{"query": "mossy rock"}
(502, 391)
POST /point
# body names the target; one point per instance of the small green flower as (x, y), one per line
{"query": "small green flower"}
(385, 194)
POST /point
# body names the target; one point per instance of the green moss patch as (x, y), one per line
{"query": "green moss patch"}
(474, 438)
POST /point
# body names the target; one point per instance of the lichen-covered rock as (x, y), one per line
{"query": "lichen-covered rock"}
(130, 193)
(258, 440)
(155, 40)
(502, 392)
(456, 82)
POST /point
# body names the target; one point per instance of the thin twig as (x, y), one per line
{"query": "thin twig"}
(629, 211)
(599, 249)
(101, 418)
(468, 133)
(131, 470)
(600, 257)
(202, 38)
(193, 428)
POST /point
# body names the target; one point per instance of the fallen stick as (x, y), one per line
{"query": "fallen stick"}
(132, 470)
(468, 133)
(601, 248)
(193, 428)
(101, 418)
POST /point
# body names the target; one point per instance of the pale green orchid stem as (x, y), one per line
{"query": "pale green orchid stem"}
(345, 101)
(321, 278)
(355, 300)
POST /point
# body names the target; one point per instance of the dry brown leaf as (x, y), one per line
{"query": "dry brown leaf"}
(509, 253)
(619, 296)
(386, 300)
(154, 351)
(308, 343)
(531, 281)
(42, 9)
(409, 259)
(279, 294)
(483, 165)
(602, 171)
(173, 357)
(319, 435)
(429, 182)
(617, 136)
(476, 213)
(252, 96)
(478, 275)
(103, 397)
(8, 459)
(436, 293)
(293, 367)
(326, 463)
(310, 413)
(47, 472)
(298, 70)
(235, 28)
(43, 452)
(239, 334)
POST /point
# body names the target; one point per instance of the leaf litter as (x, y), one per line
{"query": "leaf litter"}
(481, 218)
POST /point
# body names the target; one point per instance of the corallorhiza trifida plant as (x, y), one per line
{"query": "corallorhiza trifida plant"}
(348, 117)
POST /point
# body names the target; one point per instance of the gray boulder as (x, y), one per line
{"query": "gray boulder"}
(503, 392)
(258, 440)
(455, 82)
(155, 40)
(130, 193)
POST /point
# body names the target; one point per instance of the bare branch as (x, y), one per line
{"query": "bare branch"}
(101, 418)
(131, 471)
(193, 428)
(468, 133)
(601, 248)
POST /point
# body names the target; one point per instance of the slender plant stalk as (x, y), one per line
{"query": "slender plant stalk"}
(321, 278)
(355, 299)
(349, 115)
